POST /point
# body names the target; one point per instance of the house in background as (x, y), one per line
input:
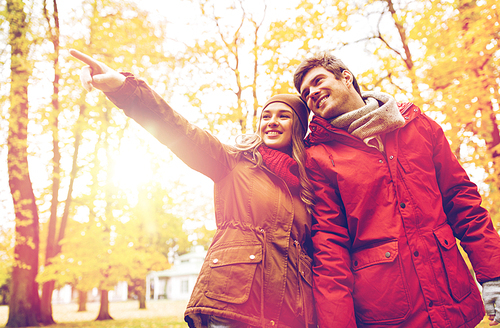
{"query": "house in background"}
(176, 283)
(68, 294)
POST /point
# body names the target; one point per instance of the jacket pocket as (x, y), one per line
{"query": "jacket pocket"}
(403, 163)
(380, 293)
(454, 265)
(305, 267)
(232, 269)
(306, 283)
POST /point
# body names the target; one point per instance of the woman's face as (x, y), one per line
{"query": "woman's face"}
(276, 126)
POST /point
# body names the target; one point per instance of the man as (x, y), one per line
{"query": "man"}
(391, 201)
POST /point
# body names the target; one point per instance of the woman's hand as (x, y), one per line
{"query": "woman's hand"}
(97, 74)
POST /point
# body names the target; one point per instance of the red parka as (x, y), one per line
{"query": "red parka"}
(386, 228)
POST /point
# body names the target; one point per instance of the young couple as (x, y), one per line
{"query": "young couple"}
(379, 210)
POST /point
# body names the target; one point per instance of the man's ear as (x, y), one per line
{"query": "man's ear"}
(347, 78)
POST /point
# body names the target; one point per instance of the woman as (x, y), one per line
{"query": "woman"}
(257, 272)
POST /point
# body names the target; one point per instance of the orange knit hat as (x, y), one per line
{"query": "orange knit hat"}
(297, 105)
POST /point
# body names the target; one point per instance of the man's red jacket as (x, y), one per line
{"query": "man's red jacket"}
(386, 229)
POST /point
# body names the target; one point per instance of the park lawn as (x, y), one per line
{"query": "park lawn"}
(161, 313)
(166, 322)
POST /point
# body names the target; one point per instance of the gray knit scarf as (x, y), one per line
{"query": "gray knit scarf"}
(371, 120)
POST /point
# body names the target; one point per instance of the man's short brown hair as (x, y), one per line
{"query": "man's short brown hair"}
(326, 60)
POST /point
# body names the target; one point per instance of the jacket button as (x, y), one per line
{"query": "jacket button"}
(355, 263)
(388, 254)
(415, 110)
(403, 205)
(380, 161)
(416, 253)
(392, 157)
(215, 260)
(406, 117)
(252, 257)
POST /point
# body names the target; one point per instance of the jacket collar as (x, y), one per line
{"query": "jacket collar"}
(322, 131)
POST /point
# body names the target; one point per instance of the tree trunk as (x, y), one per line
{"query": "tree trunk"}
(104, 309)
(46, 303)
(51, 250)
(141, 294)
(82, 301)
(74, 170)
(24, 304)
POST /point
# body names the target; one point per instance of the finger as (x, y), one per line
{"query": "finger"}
(84, 58)
(86, 78)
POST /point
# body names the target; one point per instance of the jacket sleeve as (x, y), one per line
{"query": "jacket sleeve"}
(199, 149)
(470, 222)
(333, 279)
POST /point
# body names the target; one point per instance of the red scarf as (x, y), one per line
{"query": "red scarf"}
(282, 164)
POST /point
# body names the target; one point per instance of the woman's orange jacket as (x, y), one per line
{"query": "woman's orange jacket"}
(258, 267)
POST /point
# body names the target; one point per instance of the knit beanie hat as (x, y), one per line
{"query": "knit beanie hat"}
(297, 105)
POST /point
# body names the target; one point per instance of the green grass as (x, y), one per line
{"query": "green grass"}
(161, 313)
(158, 314)
(132, 323)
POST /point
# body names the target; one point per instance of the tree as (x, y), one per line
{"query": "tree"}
(52, 242)
(107, 17)
(24, 299)
(441, 55)
(149, 235)
(456, 81)
(6, 262)
(461, 79)
(132, 38)
(231, 51)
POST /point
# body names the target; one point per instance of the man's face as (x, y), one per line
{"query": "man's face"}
(323, 93)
